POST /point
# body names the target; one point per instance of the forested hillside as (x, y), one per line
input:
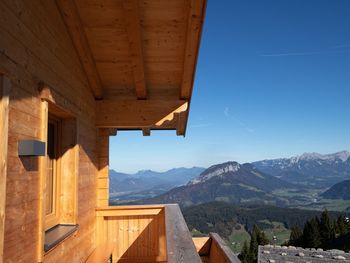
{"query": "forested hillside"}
(222, 217)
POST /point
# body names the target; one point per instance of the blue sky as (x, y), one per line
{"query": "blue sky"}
(273, 80)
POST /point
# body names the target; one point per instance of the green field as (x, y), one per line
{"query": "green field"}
(329, 204)
(197, 233)
(237, 238)
(278, 230)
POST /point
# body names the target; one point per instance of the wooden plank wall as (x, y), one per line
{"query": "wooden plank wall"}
(4, 105)
(103, 170)
(138, 233)
(35, 47)
(69, 164)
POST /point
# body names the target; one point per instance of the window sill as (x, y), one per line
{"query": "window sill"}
(57, 234)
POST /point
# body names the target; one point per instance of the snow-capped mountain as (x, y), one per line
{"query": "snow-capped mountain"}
(314, 169)
(339, 156)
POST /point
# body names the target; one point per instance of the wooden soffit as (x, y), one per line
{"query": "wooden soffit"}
(139, 57)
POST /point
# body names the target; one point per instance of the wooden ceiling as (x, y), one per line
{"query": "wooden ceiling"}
(139, 57)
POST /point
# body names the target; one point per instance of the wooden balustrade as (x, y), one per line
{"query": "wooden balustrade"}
(213, 249)
(137, 232)
(156, 233)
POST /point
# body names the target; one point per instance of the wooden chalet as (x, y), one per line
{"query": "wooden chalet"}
(73, 73)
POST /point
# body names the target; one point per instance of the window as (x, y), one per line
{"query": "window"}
(53, 178)
(58, 173)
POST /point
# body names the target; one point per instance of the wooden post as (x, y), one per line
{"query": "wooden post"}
(162, 249)
(5, 86)
(103, 172)
(43, 137)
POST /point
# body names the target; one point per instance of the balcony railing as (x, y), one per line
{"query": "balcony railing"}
(213, 249)
(154, 233)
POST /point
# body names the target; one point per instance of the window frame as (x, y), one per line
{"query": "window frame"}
(53, 218)
(68, 164)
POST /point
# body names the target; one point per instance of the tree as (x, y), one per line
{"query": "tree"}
(244, 256)
(341, 225)
(258, 237)
(254, 245)
(249, 254)
(296, 236)
(311, 234)
(262, 239)
(326, 229)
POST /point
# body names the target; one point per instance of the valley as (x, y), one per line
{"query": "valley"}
(229, 198)
(126, 188)
(311, 199)
(235, 222)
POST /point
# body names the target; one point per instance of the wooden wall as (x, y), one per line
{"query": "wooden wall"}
(103, 169)
(35, 47)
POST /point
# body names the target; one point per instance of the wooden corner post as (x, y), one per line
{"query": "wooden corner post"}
(103, 169)
(5, 86)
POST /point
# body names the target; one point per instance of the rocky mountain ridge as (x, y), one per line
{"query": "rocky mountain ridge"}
(231, 182)
(312, 169)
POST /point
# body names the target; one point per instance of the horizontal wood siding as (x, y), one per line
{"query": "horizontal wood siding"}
(103, 170)
(35, 47)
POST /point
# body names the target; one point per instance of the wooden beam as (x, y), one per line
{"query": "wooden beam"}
(196, 9)
(129, 207)
(135, 212)
(146, 132)
(5, 85)
(71, 18)
(181, 123)
(132, 21)
(59, 105)
(180, 246)
(137, 114)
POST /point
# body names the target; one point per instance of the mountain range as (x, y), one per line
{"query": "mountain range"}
(295, 182)
(230, 182)
(125, 187)
(264, 182)
(309, 169)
